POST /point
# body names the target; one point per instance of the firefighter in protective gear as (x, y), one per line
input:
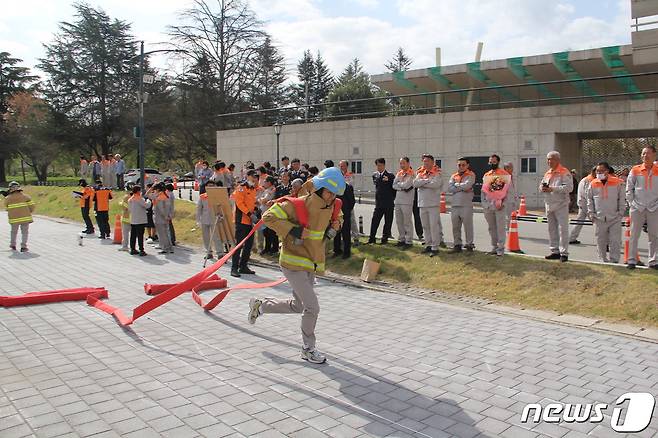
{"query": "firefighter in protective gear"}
(246, 215)
(19, 211)
(606, 202)
(302, 226)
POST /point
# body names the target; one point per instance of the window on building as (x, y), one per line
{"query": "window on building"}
(356, 167)
(438, 163)
(529, 165)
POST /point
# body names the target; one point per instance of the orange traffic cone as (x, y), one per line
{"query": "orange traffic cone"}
(513, 244)
(442, 205)
(522, 207)
(118, 235)
(196, 186)
(627, 242)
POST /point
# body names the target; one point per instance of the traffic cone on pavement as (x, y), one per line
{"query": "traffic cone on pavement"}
(118, 234)
(513, 244)
(442, 205)
(522, 207)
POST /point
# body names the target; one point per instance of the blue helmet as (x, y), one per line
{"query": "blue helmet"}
(331, 179)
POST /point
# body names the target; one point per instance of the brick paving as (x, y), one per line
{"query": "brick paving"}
(398, 366)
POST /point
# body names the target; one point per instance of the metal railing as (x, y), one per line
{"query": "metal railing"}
(529, 94)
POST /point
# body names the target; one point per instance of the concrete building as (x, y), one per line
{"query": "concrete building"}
(519, 108)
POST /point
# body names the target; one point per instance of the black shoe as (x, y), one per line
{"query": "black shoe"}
(383, 242)
(142, 253)
(564, 258)
(235, 273)
(654, 267)
(442, 244)
(101, 237)
(630, 266)
(455, 249)
(554, 256)
(24, 249)
(246, 270)
(370, 242)
(89, 231)
(470, 248)
(640, 263)
(133, 252)
(407, 246)
(400, 244)
(434, 253)
(346, 256)
(574, 242)
(163, 252)
(427, 249)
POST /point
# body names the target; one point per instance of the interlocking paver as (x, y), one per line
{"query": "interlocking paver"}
(421, 366)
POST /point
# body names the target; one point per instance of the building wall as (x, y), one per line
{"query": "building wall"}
(512, 133)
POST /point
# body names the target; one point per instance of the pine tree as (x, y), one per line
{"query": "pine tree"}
(306, 75)
(400, 62)
(355, 84)
(324, 80)
(269, 89)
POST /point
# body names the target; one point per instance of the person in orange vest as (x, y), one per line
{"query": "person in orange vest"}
(162, 213)
(246, 215)
(86, 198)
(19, 212)
(494, 212)
(404, 201)
(556, 185)
(429, 183)
(102, 197)
(606, 202)
(581, 202)
(642, 197)
(84, 166)
(461, 206)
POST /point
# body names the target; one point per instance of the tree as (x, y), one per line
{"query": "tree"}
(400, 62)
(38, 132)
(269, 89)
(13, 79)
(315, 83)
(223, 40)
(354, 84)
(92, 71)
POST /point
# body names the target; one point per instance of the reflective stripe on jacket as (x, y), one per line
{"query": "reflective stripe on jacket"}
(19, 208)
(642, 188)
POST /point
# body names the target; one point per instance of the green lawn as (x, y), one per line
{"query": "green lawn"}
(605, 292)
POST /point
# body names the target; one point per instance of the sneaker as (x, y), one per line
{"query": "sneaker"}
(12, 247)
(427, 249)
(564, 258)
(133, 252)
(24, 249)
(254, 310)
(142, 253)
(434, 252)
(149, 241)
(246, 270)
(235, 273)
(407, 245)
(574, 242)
(313, 356)
(554, 256)
(492, 252)
(470, 248)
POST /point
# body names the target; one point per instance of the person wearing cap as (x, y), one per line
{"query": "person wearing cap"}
(19, 212)
(303, 253)
(246, 215)
(86, 198)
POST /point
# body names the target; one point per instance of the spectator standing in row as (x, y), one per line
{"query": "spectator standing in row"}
(494, 209)
(384, 201)
(138, 206)
(162, 217)
(95, 169)
(284, 187)
(581, 202)
(404, 200)
(343, 239)
(119, 170)
(172, 209)
(642, 196)
(84, 166)
(461, 209)
(512, 201)
(285, 165)
(203, 176)
(605, 201)
(296, 171)
(265, 199)
(556, 185)
(429, 183)
(343, 165)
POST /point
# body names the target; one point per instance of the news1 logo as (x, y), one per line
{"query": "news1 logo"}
(638, 412)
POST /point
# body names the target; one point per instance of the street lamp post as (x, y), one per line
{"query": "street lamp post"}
(277, 131)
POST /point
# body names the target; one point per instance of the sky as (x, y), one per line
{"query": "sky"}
(370, 30)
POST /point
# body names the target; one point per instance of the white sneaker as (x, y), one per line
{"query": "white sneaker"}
(313, 356)
(254, 310)
(149, 241)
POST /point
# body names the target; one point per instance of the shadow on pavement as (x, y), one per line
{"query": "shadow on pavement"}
(23, 255)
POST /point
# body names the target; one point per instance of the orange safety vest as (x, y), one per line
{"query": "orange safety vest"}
(458, 178)
(87, 197)
(245, 203)
(103, 197)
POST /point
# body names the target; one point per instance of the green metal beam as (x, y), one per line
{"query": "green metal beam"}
(475, 72)
(614, 63)
(399, 78)
(515, 65)
(561, 62)
(435, 73)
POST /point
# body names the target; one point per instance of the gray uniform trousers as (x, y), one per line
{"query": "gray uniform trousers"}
(164, 238)
(496, 221)
(405, 221)
(430, 217)
(638, 218)
(25, 230)
(582, 215)
(125, 235)
(355, 228)
(304, 301)
(206, 231)
(462, 215)
(608, 234)
(558, 231)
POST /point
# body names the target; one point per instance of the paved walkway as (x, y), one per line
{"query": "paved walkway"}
(398, 366)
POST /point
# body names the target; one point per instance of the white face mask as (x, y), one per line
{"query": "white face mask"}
(602, 176)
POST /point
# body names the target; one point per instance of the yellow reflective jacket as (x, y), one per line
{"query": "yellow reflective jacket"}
(310, 255)
(19, 207)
